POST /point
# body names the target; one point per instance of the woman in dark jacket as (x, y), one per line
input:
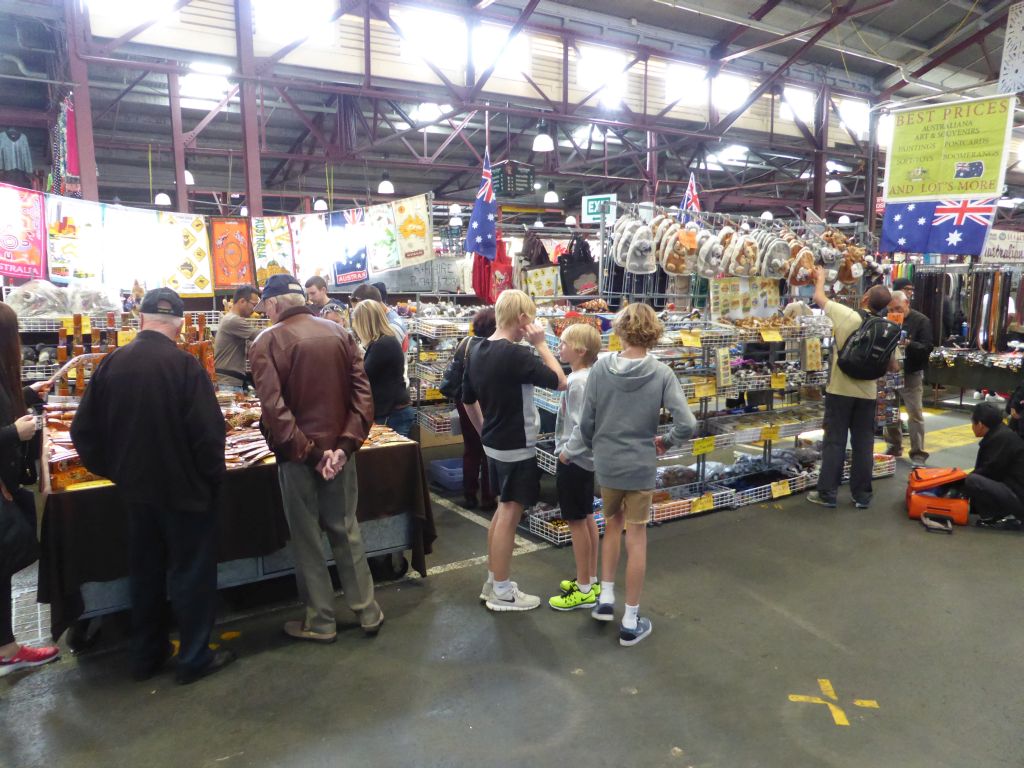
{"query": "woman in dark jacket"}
(384, 362)
(475, 476)
(15, 463)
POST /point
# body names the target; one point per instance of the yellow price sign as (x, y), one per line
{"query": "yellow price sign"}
(614, 343)
(434, 394)
(428, 357)
(771, 334)
(778, 381)
(780, 489)
(703, 503)
(69, 324)
(689, 338)
(706, 389)
(770, 433)
(125, 337)
(703, 445)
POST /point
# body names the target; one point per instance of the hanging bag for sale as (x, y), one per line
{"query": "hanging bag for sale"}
(933, 493)
(577, 269)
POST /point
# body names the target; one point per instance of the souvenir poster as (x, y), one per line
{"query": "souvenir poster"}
(185, 244)
(348, 235)
(382, 241)
(272, 247)
(128, 241)
(229, 249)
(74, 240)
(412, 219)
(311, 246)
(22, 233)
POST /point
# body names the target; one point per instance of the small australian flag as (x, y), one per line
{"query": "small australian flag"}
(481, 236)
(973, 170)
(906, 227)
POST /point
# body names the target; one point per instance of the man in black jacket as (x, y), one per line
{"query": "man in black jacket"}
(916, 349)
(149, 421)
(996, 486)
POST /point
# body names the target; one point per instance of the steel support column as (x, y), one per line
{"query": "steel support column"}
(651, 185)
(177, 144)
(79, 71)
(820, 172)
(249, 107)
(871, 172)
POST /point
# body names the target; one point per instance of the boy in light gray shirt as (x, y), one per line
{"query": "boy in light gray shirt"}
(626, 393)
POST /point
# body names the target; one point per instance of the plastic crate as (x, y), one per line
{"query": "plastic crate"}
(548, 525)
(763, 493)
(446, 473)
(683, 498)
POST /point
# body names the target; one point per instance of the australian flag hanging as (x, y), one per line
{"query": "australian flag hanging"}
(906, 227)
(481, 236)
(960, 226)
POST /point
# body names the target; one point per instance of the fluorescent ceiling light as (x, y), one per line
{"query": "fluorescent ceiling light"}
(800, 101)
(734, 154)
(243, 211)
(197, 85)
(438, 37)
(602, 68)
(162, 198)
(190, 180)
(551, 196)
(487, 42)
(319, 204)
(686, 83)
(283, 22)
(385, 187)
(856, 115)
(729, 92)
(210, 68)
(833, 187)
(537, 185)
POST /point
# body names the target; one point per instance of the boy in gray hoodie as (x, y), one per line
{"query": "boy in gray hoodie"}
(626, 393)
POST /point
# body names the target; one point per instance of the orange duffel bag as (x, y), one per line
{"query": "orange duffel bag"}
(927, 494)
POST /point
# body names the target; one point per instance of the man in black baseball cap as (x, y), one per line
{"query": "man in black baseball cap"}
(149, 421)
(906, 285)
(278, 285)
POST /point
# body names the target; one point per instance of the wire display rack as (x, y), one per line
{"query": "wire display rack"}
(439, 327)
(546, 459)
(687, 500)
(38, 372)
(547, 399)
(54, 324)
(776, 490)
(549, 526)
(727, 426)
(432, 373)
(435, 419)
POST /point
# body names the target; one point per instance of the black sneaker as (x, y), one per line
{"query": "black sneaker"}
(629, 637)
(219, 660)
(816, 498)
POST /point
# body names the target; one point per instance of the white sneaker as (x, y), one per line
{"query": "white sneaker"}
(487, 591)
(513, 601)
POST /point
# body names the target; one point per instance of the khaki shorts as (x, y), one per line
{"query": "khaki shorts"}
(635, 505)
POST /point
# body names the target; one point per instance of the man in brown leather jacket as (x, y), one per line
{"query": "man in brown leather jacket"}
(317, 411)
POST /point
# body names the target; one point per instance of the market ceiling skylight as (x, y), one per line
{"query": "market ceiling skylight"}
(728, 92)
(687, 84)
(438, 37)
(602, 68)
(799, 101)
(282, 21)
(487, 42)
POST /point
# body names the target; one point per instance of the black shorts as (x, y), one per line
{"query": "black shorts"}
(515, 481)
(575, 491)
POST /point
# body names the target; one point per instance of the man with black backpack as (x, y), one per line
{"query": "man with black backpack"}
(861, 354)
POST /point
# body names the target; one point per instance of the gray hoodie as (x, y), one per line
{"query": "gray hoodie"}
(620, 419)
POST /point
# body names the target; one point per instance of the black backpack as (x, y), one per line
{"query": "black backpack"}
(866, 354)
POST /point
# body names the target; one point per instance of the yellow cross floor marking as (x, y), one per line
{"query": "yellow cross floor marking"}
(838, 715)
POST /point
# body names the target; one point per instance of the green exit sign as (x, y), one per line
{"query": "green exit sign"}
(592, 209)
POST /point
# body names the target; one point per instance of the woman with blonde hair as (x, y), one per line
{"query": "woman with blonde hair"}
(385, 366)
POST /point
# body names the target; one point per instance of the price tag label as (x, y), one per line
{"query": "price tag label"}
(434, 394)
(428, 357)
(778, 381)
(703, 445)
(770, 433)
(780, 489)
(771, 334)
(69, 324)
(702, 503)
(707, 389)
(124, 337)
(689, 338)
(614, 343)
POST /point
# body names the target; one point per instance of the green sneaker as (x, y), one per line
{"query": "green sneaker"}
(573, 599)
(567, 584)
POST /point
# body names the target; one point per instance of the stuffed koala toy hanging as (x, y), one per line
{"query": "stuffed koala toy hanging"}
(640, 256)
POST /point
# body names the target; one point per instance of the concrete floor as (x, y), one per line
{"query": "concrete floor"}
(749, 607)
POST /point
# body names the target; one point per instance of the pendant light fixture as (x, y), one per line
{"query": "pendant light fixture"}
(162, 199)
(844, 219)
(542, 142)
(767, 216)
(551, 196)
(455, 222)
(243, 211)
(319, 204)
(190, 180)
(570, 221)
(385, 187)
(833, 187)
(538, 223)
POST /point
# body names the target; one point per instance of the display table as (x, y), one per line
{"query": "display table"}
(966, 376)
(83, 562)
